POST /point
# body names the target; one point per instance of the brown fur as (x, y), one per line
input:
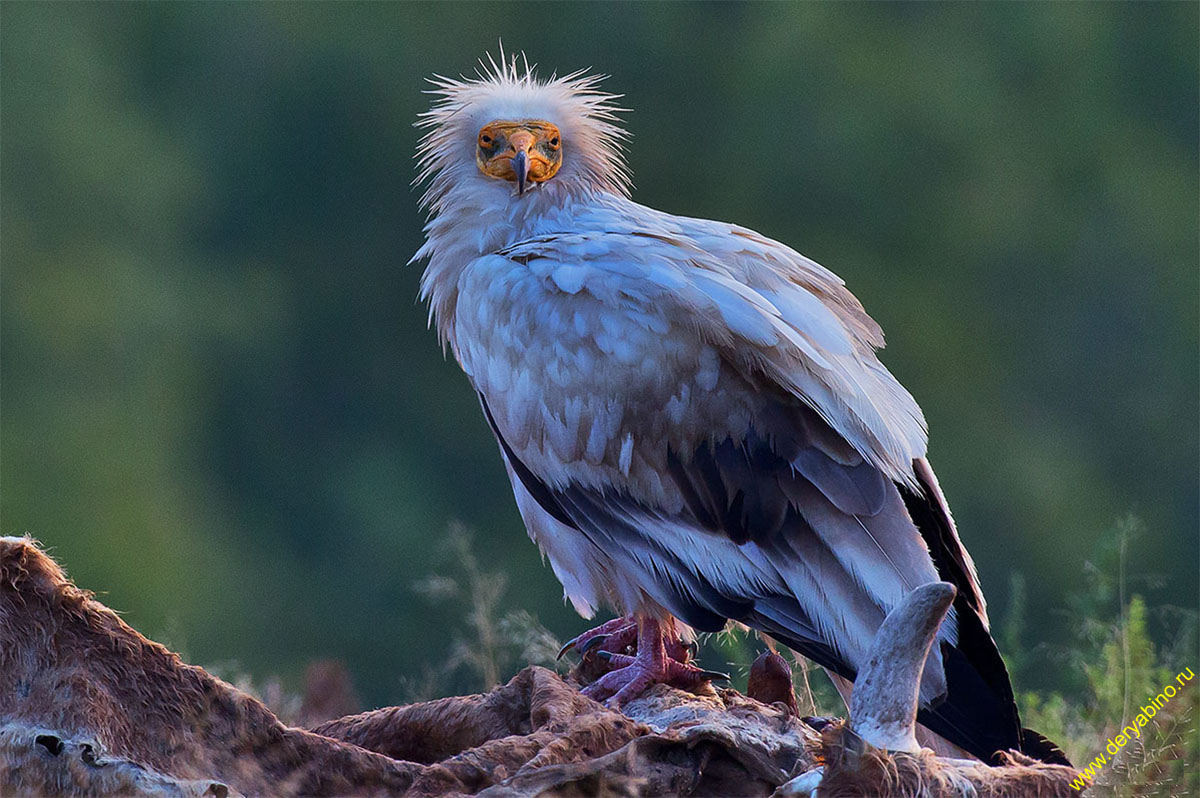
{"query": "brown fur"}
(130, 717)
(90, 707)
(534, 721)
(328, 693)
(854, 768)
(69, 664)
(436, 730)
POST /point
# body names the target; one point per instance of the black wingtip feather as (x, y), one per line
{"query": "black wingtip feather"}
(1041, 747)
(973, 716)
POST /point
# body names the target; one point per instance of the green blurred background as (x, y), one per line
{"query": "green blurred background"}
(221, 406)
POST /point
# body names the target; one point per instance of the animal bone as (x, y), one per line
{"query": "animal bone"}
(883, 707)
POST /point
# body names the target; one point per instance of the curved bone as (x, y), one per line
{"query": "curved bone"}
(883, 706)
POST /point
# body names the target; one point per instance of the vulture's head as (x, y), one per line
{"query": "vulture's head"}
(506, 130)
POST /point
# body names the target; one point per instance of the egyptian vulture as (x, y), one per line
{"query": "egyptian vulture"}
(692, 415)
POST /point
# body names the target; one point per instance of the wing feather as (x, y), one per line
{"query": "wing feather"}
(755, 541)
(766, 308)
(704, 408)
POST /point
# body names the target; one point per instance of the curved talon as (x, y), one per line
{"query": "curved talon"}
(613, 658)
(589, 644)
(675, 668)
(625, 657)
(592, 643)
(603, 631)
(631, 676)
(715, 676)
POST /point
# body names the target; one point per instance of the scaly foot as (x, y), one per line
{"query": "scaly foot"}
(650, 665)
(619, 636)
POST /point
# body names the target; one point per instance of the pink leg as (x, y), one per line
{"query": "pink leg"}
(651, 665)
(619, 635)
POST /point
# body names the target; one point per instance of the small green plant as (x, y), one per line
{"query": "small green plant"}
(1120, 669)
(495, 641)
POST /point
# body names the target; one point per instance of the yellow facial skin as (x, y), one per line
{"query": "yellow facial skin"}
(524, 153)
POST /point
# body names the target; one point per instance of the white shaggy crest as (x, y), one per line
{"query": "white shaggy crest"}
(510, 89)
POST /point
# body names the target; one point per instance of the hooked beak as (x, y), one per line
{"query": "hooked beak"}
(522, 142)
(520, 166)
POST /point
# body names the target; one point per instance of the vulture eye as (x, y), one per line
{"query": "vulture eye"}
(485, 139)
(554, 143)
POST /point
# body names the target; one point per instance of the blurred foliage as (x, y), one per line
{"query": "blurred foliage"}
(1112, 669)
(219, 401)
(494, 642)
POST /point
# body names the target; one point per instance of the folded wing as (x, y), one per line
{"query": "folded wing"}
(701, 413)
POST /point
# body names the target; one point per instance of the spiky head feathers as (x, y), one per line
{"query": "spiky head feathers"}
(510, 91)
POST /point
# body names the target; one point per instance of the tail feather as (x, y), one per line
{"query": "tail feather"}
(979, 712)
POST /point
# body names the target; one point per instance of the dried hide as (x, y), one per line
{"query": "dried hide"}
(52, 765)
(71, 669)
(90, 707)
